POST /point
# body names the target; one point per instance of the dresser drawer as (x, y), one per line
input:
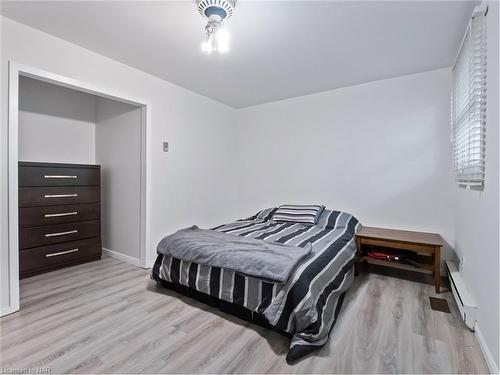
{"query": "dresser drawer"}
(56, 176)
(49, 196)
(36, 216)
(46, 258)
(50, 234)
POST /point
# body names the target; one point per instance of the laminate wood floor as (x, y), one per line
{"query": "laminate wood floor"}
(109, 317)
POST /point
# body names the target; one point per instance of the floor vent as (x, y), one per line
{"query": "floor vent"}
(439, 304)
(465, 303)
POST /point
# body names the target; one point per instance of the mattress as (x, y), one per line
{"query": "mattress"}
(305, 305)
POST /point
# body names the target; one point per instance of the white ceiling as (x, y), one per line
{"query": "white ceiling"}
(279, 49)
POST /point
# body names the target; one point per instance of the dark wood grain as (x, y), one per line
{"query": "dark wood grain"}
(42, 259)
(58, 176)
(47, 215)
(58, 165)
(36, 196)
(59, 216)
(45, 235)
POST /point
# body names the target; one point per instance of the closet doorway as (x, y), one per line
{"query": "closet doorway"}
(54, 119)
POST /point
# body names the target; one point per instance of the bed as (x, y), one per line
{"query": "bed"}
(305, 306)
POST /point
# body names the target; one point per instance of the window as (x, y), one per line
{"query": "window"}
(468, 105)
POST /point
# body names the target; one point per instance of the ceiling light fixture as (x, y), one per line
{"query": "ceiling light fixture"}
(217, 11)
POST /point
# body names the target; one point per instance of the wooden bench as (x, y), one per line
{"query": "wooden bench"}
(428, 244)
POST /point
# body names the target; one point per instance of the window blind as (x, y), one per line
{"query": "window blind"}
(468, 105)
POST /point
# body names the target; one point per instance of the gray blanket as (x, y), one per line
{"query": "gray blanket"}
(251, 257)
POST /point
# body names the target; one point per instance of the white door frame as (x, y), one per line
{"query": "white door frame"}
(15, 71)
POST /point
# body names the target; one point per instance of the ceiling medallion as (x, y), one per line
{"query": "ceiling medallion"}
(216, 11)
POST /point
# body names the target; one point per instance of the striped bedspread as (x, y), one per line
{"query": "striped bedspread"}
(305, 305)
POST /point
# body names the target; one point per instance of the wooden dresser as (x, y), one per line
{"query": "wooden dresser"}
(59, 216)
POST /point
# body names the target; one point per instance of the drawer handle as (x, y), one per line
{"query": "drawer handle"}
(61, 233)
(61, 253)
(60, 195)
(61, 214)
(58, 176)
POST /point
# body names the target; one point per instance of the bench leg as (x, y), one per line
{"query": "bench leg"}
(437, 269)
(358, 255)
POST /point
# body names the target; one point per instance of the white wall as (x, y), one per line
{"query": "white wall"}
(378, 150)
(381, 150)
(56, 124)
(118, 151)
(192, 184)
(477, 222)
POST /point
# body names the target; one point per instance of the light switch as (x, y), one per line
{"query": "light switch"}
(165, 146)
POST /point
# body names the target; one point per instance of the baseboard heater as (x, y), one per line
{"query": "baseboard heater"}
(465, 303)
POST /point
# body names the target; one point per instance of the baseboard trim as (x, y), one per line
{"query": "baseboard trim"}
(7, 310)
(150, 264)
(123, 257)
(492, 366)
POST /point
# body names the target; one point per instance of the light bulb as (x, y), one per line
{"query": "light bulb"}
(218, 40)
(222, 47)
(222, 36)
(205, 47)
(209, 46)
(222, 39)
